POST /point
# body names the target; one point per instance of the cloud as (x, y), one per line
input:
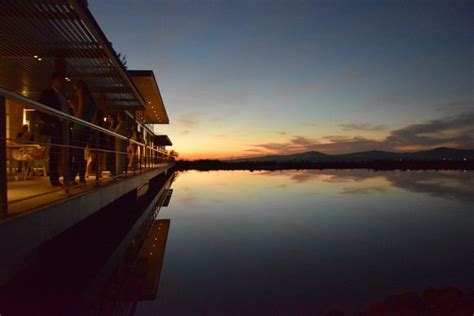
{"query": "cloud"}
(328, 144)
(454, 131)
(188, 120)
(295, 144)
(362, 127)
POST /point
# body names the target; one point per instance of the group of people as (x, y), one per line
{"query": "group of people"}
(86, 146)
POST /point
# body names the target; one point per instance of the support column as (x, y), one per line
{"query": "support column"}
(3, 159)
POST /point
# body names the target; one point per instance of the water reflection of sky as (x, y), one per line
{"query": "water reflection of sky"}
(297, 241)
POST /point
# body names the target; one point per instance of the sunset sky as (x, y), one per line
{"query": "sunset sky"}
(247, 78)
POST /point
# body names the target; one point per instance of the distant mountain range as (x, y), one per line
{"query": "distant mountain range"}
(315, 156)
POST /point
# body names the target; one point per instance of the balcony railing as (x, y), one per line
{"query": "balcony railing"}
(73, 145)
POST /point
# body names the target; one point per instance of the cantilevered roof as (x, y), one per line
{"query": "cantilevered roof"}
(145, 81)
(38, 37)
(162, 140)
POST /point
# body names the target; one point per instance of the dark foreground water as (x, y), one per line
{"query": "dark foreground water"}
(305, 242)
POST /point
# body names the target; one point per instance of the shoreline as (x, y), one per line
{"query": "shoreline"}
(381, 165)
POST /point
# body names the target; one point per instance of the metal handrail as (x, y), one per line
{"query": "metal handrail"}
(44, 108)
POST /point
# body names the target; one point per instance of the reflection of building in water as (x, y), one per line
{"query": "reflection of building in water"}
(136, 278)
(166, 202)
(109, 261)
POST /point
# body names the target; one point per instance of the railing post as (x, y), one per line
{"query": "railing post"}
(3, 158)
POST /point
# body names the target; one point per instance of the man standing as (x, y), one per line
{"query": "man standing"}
(53, 126)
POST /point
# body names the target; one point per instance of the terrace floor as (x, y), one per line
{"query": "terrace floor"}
(36, 192)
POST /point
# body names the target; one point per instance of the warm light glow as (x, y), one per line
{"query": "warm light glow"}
(25, 121)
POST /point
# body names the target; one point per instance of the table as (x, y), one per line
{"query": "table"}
(11, 145)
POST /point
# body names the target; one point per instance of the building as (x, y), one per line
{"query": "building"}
(41, 39)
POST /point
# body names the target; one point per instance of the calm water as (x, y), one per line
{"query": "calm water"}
(298, 241)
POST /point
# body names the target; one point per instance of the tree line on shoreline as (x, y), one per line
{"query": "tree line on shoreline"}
(207, 165)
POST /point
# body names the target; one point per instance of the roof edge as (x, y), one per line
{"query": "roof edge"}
(83, 11)
(150, 73)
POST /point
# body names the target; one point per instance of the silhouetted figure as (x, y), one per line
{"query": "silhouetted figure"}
(110, 143)
(100, 139)
(52, 127)
(133, 148)
(24, 135)
(84, 108)
(120, 145)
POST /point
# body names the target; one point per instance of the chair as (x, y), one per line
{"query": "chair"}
(39, 157)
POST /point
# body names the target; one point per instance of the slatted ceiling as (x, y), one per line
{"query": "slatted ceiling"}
(60, 31)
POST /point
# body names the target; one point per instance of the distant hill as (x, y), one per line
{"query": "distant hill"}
(315, 156)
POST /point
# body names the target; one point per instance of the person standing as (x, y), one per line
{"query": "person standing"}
(52, 127)
(100, 138)
(132, 148)
(83, 107)
(110, 143)
(121, 145)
